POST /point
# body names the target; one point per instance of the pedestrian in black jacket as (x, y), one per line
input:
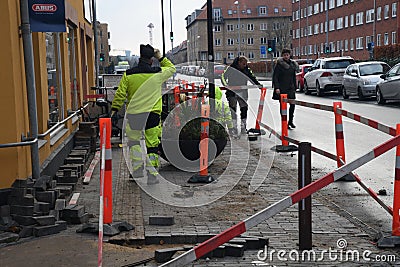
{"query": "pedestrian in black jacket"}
(284, 81)
(238, 74)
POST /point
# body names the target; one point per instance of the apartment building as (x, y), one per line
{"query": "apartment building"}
(253, 22)
(343, 27)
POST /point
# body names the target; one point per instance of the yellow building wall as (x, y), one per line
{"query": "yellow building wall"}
(14, 120)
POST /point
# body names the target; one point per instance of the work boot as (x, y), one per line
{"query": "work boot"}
(291, 125)
(137, 173)
(243, 129)
(152, 179)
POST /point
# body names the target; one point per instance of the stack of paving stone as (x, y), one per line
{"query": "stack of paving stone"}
(29, 210)
(86, 136)
(38, 207)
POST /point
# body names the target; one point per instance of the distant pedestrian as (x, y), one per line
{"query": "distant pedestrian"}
(284, 81)
(238, 74)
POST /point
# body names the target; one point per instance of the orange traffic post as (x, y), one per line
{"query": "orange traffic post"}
(396, 194)
(284, 147)
(340, 152)
(176, 100)
(107, 199)
(284, 122)
(203, 176)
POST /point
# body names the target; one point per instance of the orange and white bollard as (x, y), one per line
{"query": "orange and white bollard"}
(203, 176)
(107, 178)
(396, 194)
(284, 122)
(340, 152)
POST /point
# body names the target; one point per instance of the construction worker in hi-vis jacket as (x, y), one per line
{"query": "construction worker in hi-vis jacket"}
(141, 86)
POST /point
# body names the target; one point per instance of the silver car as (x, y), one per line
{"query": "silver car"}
(360, 79)
(389, 87)
(326, 74)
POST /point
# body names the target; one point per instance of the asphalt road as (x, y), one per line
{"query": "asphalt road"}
(318, 127)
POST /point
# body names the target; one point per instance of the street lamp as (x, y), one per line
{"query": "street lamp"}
(238, 14)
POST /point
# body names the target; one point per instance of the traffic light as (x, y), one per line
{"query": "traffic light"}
(271, 46)
(171, 36)
(327, 49)
(101, 56)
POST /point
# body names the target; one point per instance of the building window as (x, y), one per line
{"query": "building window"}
(338, 47)
(231, 55)
(316, 28)
(248, 11)
(276, 26)
(378, 39)
(332, 45)
(230, 41)
(322, 27)
(331, 4)
(386, 39)
(351, 44)
(339, 23)
(359, 43)
(346, 45)
(339, 3)
(251, 55)
(379, 13)
(321, 6)
(394, 10)
(331, 25)
(359, 18)
(217, 14)
(262, 10)
(263, 40)
(386, 12)
(250, 27)
(346, 1)
(351, 20)
(393, 37)
(217, 28)
(309, 12)
(316, 8)
(230, 27)
(217, 42)
(368, 39)
(346, 21)
(369, 16)
(250, 41)
(218, 56)
(263, 26)
(230, 12)
(263, 55)
(309, 30)
(276, 10)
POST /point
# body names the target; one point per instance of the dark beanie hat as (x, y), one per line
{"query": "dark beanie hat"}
(146, 51)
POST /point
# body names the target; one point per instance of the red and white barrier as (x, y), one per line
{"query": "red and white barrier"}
(240, 228)
(101, 212)
(396, 195)
(340, 151)
(284, 122)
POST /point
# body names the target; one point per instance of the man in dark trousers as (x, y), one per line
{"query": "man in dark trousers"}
(284, 81)
(238, 74)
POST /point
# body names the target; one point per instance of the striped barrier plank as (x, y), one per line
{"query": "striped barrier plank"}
(240, 228)
(371, 123)
(309, 105)
(92, 166)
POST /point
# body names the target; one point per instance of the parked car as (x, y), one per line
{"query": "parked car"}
(389, 87)
(326, 74)
(300, 75)
(178, 68)
(361, 78)
(219, 70)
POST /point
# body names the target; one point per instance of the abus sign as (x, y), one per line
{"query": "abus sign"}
(44, 8)
(47, 15)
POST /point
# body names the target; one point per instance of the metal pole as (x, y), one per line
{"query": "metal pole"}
(162, 26)
(30, 84)
(96, 52)
(240, 41)
(304, 178)
(210, 55)
(327, 24)
(60, 78)
(171, 35)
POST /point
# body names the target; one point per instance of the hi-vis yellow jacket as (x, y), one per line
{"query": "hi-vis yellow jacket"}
(141, 87)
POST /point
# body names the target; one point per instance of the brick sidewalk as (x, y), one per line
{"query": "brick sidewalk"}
(193, 225)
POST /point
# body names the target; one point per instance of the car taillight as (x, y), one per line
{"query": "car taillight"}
(326, 74)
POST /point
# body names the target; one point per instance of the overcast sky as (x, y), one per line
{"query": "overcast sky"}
(128, 20)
